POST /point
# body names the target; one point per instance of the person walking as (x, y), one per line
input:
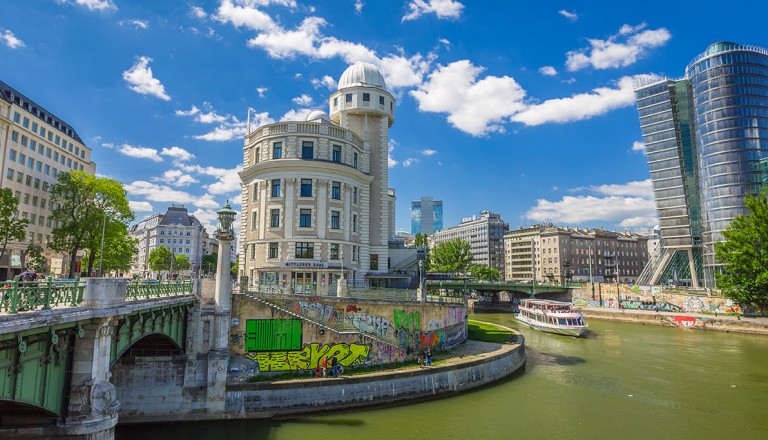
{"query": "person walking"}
(428, 357)
(324, 365)
(334, 366)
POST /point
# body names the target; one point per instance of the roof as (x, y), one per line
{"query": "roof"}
(362, 74)
(13, 96)
(178, 215)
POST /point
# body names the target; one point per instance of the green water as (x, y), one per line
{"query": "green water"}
(625, 381)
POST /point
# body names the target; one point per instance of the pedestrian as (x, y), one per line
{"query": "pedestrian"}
(334, 366)
(428, 357)
(324, 365)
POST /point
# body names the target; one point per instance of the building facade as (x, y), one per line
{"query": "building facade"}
(484, 234)
(316, 201)
(547, 253)
(36, 146)
(426, 216)
(177, 230)
(704, 136)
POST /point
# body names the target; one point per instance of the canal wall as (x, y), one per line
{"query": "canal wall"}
(683, 320)
(661, 298)
(269, 399)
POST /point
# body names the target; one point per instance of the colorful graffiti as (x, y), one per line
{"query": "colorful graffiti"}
(315, 310)
(454, 315)
(309, 357)
(685, 321)
(406, 320)
(371, 324)
(661, 306)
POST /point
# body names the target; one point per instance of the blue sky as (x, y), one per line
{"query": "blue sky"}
(522, 108)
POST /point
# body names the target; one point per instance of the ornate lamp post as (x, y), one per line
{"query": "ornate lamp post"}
(225, 236)
(341, 285)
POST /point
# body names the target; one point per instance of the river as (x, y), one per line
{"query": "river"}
(625, 381)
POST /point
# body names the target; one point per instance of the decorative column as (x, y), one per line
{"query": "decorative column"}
(223, 293)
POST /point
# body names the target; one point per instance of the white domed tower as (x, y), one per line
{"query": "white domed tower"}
(363, 105)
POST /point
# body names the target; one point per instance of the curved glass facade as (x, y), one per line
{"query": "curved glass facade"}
(729, 86)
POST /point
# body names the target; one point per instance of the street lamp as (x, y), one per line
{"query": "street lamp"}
(226, 217)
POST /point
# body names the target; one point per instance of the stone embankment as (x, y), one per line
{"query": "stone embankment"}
(726, 323)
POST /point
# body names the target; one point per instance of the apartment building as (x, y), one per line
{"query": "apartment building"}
(484, 233)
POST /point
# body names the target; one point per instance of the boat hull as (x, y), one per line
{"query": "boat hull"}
(576, 331)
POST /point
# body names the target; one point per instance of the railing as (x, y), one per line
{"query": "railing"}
(157, 289)
(18, 296)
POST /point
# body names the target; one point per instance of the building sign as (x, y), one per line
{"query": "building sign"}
(304, 264)
(15, 260)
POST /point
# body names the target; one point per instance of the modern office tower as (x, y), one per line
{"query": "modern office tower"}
(553, 254)
(179, 231)
(36, 146)
(705, 137)
(426, 216)
(484, 235)
(315, 192)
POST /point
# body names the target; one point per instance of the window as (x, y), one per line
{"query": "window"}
(348, 97)
(15, 136)
(31, 162)
(366, 97)
(335, 101)
(9, 175)
(374, 262)
(42, 132)
(26, 199)
(19, 177)
(48, 222)
(381, 100)
(50, 136)
(45, 186)
(354, 195)
(28, 181)
(306, 187)
(25, 122)
(305, 218)
(256, 191)
(274, 218)
(305, 250)
(275, 187)
(354, 159)
(355, 252)
(57, 140)
(33, 219)
(24, 140)
(43, 202)
(16, 117)
(37, 183)
(34, 200)
(336, 190)
(334, 251)
(354, 222)
(277, 150)
(256, 155)
(307, 150)
(40, 148)
(254, 220)
(335, 220)
(273, 250)
(12, 155)
(34, 127)
(39, 166)
(48, 153)
(32, 144)
(336, 157)
(55, 156)
(22, 159)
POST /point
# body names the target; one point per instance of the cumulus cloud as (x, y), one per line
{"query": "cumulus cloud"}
(227, 180)
(359, 6)
(296, 114)
(229, 127)
(391, 162)
(410, 161)
(620, 50)
(135, 23)
(197, 12)
(138, 206)
(326, 81)
(548, 71)
(178, 154)
(141, 80)
(10, 40)
(474, 105)
(261, 91)
(573, 16)
(638, 146)
(428, 152)
(176, 178)
(159, 193)
(628, 205)
(139, 152)
(93, 5)
(303, 100)
(443, 9)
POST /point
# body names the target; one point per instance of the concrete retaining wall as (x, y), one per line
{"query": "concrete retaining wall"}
(721, 323)
(268, 399)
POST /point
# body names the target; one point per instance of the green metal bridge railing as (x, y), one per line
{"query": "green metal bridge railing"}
(148, 290)
(20, 296)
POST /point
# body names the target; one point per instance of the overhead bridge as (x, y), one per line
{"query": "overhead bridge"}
(469, 285)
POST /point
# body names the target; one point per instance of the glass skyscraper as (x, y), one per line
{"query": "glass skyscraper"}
(426, 216)
(706, 138)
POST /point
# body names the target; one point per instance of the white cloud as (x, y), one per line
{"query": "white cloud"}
(197, 12)
(428, 152)
(548, 71)
(410, 161)
(303, 100)
(228, 128)
(475, 106)
(10, 40)
(448, 9)
(159, 193)
(620, 50)
(445, 42)
(326, 81)
(138, 206)
(638, 146)
(225, 132)
(139, 152)
(573, 16)
(176, 178)
(228, 181)
(93, 5)
(296, 114)
(140, 79)
(391, 162)
(178, 154)
(580, 106)
(243, 13)
(359, 6)
(641, 188)
(135, 23)
(261, 91)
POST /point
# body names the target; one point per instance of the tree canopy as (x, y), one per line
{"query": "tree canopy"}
(420, 240)
(209, 263)
(160, 259)
(83, 201)
(181, 262)
(450, 256)
(35, 260)
(119, 248)
(744, 255)
(11, 228)
(482, 272)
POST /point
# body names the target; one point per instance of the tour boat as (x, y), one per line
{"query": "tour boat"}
(552, 316)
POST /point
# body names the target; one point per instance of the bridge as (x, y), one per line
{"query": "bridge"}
(59, 341)
(501, 286)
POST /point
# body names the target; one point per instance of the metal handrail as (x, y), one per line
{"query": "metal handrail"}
(148, 290)
(20, 296)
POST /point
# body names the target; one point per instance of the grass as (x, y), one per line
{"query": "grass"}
(480, 331)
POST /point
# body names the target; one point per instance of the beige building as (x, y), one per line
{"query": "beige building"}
(36, 146)
(555, 254)
(315, 193)
(484, 235)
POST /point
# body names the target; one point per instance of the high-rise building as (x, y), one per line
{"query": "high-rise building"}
(179, 231)
(705, 137)
(555, 254)
(35, 146)
(484, 235)
(426, 216)
(316, 200)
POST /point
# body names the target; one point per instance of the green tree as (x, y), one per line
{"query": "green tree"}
(744, 255)
(181, 262)
(119, 248)
(11, 228)
(160, 259)
(209, 263)
(82, 203)
(420, 240)
(450, 256)
(233, 268)
(35, 259)
(482, 272)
